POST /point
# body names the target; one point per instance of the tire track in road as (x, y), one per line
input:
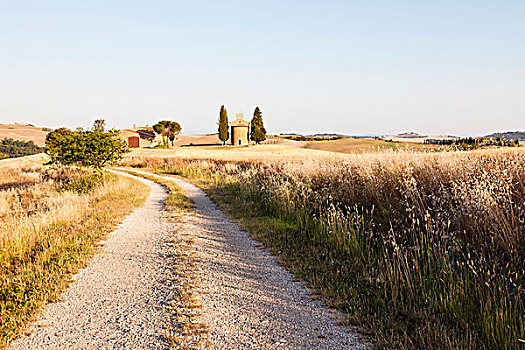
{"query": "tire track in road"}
(249, 300)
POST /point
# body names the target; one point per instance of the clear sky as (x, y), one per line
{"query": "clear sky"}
(353, 67)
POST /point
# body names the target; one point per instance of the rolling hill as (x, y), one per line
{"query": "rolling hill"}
(510, 135)
(24, 132)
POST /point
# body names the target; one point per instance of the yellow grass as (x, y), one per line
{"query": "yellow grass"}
(425, 249)
(255, 152)
(50, 223)
(285, 150)
(23, 133)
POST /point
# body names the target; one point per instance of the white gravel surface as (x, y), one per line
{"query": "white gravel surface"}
(119, 300)
(250, 301)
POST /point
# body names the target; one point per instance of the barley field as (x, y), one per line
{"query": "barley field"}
(422, 250)
(50, 223)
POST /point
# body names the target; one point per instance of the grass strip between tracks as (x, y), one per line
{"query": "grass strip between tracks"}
(189, 332)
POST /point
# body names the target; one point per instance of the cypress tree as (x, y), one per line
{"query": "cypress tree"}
(257, 130)
(223, 125)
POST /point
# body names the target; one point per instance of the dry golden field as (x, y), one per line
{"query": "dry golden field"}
(36, 159)
(255, 152)
(50, 224)
(425, 249)
(351, 145)
(23, 132)
(274, 149)
(198, 140)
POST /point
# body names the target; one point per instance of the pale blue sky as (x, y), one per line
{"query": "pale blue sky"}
(354, 67)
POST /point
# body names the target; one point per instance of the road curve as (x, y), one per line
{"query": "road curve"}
(120, 300)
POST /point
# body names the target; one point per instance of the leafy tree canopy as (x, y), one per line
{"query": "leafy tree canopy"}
(85, 148)
(99, 125)
(167, 129)
(15, 148)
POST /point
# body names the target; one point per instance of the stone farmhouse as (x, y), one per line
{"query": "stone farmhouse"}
(140, 137)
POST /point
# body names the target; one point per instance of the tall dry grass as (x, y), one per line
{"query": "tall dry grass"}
(427, 250)
(50, 222)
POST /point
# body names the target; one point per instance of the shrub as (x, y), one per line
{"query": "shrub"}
(86, 183)
(10, 148)
(84, 148)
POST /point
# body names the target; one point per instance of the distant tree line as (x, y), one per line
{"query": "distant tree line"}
(10, 148)
(473, 143)
(257, 131)
(311, 138)
(510, 135)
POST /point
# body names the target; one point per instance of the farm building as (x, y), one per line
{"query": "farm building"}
(140, 137)
(438, 141)
(239, 130)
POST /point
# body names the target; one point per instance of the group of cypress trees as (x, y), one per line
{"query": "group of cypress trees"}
(257, 130)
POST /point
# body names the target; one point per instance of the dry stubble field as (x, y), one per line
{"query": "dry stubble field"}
(23, 132)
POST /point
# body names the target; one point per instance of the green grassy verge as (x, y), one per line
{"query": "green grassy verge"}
(38, 276)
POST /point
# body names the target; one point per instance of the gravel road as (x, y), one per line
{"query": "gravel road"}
(249, 300)
(120, 300)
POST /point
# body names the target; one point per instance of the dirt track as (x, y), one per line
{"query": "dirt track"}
(120, 301)
(250, 301)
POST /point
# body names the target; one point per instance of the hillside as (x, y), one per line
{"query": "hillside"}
(510, 135)
(24, 132)
(197, 140)
(351, 145)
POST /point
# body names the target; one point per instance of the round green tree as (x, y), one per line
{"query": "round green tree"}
(168, 130)
(84, 148)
